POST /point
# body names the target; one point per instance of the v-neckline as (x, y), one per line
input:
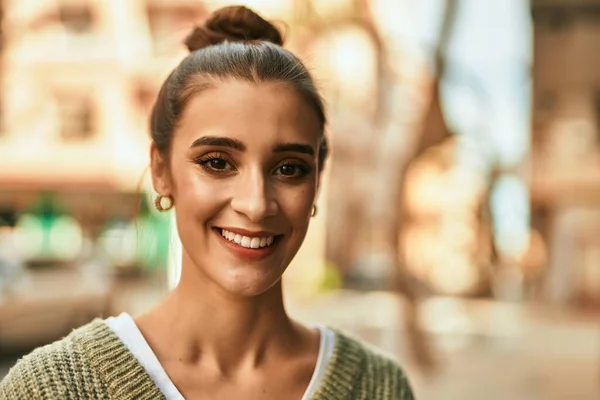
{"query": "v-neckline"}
(132, 339)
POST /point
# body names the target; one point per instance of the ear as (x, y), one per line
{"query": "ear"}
(161, 179)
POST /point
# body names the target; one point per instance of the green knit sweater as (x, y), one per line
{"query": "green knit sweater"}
(92, 363)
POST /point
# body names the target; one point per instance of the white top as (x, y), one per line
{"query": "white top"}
(125, 328)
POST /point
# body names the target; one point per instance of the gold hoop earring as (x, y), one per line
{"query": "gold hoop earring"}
(314, 212)
(159, 203)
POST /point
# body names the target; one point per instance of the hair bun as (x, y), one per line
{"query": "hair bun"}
(233, 24)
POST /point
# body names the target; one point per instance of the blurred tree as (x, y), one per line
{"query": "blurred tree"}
(406, 131)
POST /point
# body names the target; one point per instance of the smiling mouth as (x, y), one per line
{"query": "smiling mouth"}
(247, 241)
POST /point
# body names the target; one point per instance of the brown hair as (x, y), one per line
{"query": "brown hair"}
(234, 43)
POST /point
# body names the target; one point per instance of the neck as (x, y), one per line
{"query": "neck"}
(215, 327)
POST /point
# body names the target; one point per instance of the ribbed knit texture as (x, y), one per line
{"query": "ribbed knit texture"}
(92, 363)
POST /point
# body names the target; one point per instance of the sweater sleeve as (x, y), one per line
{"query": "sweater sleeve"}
(394, 382)
(55, 371)
(384, 378)
(32, 377)
(18, 384)
(403, 387)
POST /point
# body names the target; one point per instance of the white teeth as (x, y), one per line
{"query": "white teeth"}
(246, 241)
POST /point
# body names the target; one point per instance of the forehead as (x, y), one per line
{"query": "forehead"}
(251, 113)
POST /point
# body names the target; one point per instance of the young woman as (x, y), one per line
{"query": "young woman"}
(238, 147)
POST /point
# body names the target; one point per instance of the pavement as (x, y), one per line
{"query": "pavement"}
(484, 349)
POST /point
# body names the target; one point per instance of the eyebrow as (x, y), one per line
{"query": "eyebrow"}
(220, 142)
(295, 147)
(238, 145)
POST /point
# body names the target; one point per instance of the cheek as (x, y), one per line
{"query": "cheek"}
(194, 194)
(297, 206)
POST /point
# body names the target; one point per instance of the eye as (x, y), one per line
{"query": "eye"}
(215, 162)
(292, 170)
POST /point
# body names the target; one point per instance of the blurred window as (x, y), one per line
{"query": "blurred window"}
(75, 117)
(144, 98)
(76, 19)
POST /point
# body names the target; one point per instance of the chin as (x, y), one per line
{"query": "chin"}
(248, 283)
(248, 286)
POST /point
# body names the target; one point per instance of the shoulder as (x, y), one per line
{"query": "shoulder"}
(58, 370)
(377, 375)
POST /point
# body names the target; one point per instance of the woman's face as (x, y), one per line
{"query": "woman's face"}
(243, 175)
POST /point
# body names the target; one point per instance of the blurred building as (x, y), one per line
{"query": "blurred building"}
(78, 80)
(565, 167)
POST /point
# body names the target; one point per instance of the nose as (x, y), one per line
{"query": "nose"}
(253, 197)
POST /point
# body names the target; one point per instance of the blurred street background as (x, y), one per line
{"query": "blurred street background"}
(459, 222)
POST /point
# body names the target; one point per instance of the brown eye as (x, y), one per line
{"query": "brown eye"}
(290, 170)
(217, 163)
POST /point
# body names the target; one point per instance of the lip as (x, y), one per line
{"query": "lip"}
(245, 232)
(245, 253)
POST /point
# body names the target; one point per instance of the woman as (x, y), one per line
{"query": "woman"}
(238, 147)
